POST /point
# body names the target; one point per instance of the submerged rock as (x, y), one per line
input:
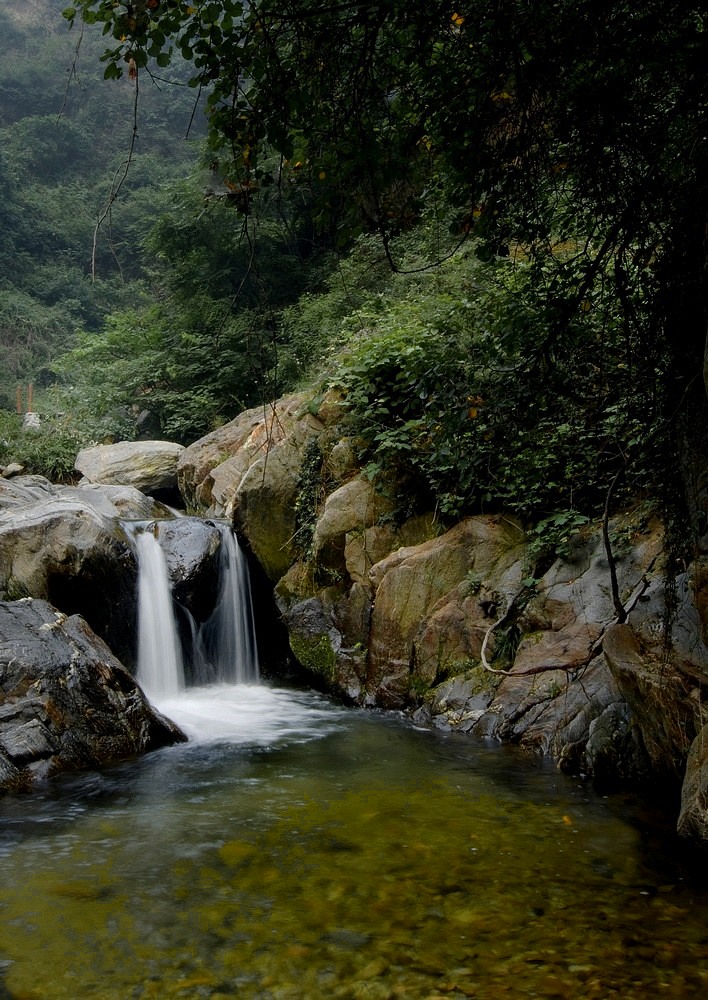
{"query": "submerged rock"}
(66, 702)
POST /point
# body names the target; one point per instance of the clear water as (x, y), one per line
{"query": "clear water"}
(298, 850)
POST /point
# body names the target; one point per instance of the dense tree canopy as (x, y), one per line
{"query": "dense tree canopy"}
(545, 122)
(568, 134)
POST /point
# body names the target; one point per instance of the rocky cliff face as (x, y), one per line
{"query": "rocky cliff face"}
(394, 611)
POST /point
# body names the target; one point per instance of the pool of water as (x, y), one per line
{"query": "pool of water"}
(294, 849)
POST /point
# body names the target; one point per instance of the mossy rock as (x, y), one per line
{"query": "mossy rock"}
(316, 655)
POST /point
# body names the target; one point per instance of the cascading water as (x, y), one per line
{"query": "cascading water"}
(223, 647)
(160, 667)
(226, 640)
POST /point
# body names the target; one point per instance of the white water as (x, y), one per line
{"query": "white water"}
(160, 667)
(251, 714)
(226, 639)
(224, 646)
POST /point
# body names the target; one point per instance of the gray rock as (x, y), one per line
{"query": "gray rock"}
(31, 422)
(13, 469)
(72, 551)
(192, 550)
(66, 702)
(149, 466)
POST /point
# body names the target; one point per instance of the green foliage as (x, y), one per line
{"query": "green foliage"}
(49, 451)
(443, 385)
(576, 138)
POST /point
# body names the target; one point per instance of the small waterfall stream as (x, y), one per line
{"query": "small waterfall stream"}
(160, 666)
(223, 647)
(227, 639)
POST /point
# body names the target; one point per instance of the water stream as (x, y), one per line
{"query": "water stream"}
(160, 667)
(298, 850)
(223, 646)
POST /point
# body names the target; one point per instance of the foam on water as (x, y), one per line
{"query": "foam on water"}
(250, 714)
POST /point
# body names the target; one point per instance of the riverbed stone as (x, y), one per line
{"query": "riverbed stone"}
(66, 702)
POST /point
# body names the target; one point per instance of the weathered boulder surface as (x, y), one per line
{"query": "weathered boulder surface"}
(66, 703)
(68, 547)
(249, 472)
(117, 502)
(149, 466)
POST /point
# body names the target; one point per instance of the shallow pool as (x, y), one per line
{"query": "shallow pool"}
(295, 849)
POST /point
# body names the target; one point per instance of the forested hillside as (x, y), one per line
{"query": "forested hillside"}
(121, 246)
(485, 227)
(65, 135)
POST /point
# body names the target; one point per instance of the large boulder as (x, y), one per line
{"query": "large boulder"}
(72, 551)
(117, 502)
(149, 466)
(66, 702)
(414, 585)
(249, 472)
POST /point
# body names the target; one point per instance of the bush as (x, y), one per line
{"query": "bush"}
(449, 385)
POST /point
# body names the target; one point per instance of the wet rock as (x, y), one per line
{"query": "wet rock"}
(192, 549)
(66, 702)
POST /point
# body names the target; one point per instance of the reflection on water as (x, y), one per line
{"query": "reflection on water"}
(297, 850)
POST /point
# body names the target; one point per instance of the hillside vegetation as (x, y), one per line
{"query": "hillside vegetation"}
(507, 286)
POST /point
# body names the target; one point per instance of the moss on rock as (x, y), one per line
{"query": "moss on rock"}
(315, 654)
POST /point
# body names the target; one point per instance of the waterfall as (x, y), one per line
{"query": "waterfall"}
(223, 648)
(227, 638)
(160, 668)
